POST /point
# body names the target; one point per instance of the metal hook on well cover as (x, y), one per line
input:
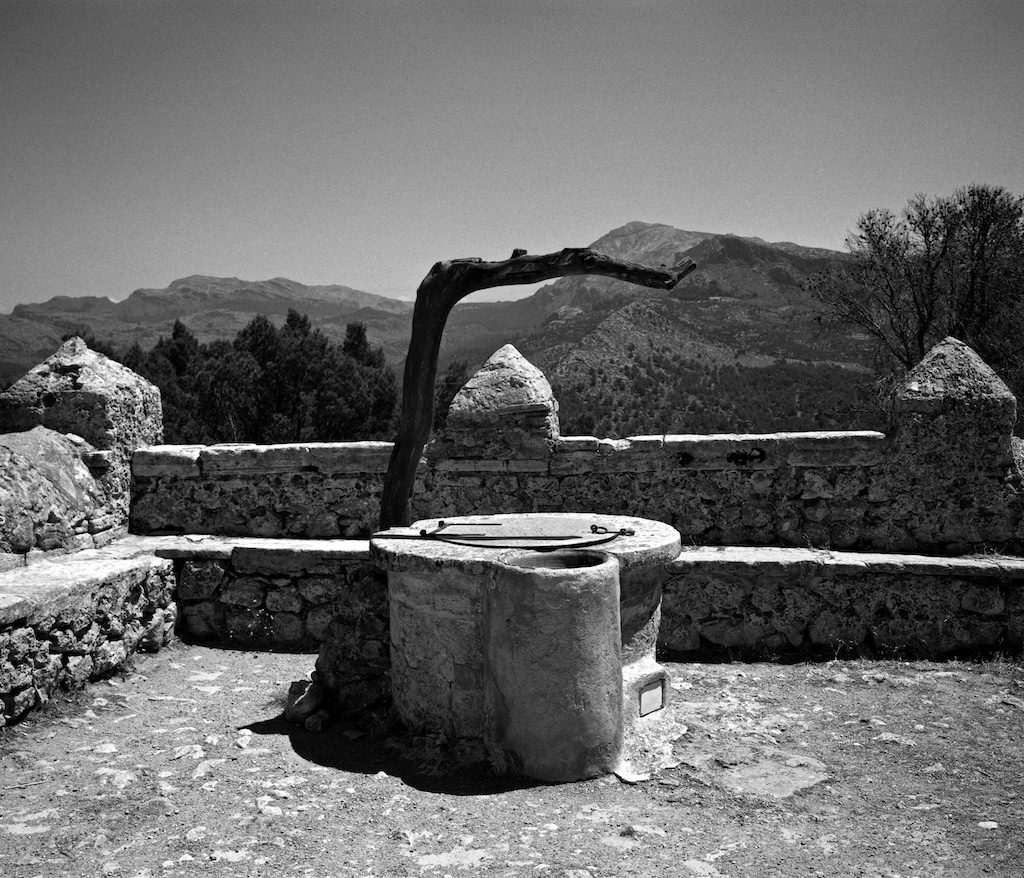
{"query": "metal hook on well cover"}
(622, 531)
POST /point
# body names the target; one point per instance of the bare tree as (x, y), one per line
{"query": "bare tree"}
(445, 285)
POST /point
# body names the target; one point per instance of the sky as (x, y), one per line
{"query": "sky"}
(358, 143)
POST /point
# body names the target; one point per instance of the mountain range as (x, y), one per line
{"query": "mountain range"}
(743, 309)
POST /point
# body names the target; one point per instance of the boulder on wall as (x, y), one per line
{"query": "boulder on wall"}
(81, 392)
(49, 500)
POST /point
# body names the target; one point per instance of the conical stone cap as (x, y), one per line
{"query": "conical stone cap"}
(507, 387)
(954, 411)
(77, 390)
(951, 371)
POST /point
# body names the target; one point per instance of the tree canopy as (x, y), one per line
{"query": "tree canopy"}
(947, 265)
(270, 385)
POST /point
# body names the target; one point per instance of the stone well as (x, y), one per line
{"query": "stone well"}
(451, 605)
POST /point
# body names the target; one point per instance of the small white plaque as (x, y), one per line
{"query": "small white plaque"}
(652, 697)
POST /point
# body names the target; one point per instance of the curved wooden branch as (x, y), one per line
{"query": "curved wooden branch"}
(446, 285)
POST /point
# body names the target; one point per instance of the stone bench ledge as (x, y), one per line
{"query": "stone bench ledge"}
(737, 557)
(45, 588)
(262, 554)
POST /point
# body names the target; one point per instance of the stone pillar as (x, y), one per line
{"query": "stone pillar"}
(506, 410)
(953, 452)
(494, 452)
(553, 664)
(84, 393)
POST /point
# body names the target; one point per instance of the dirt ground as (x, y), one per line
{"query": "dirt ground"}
(185, 767)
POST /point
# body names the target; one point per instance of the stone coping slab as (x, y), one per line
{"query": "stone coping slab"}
(691, 451)
(41, 590)
(192, 461)
(276, 552)
(999, 566)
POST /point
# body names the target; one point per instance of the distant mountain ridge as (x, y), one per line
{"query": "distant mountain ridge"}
(198, 293)
(744, 308)
(212, 307)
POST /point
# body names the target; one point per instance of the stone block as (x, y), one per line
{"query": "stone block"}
(173, 461)
(247, 626)
(14, 676)
(836, 450)
(109, 656)
(81, 392)
(319, 619)
(322, 589)
(571, 463)
(574, 444)
(329, 457)
(77, 671)
(984, 600)
(954, 412)
(204, 621)
(642, 444)
(153, 635)
(291, 556)
(287, 628)
(245, 591)
(199, 579)
(284, 599)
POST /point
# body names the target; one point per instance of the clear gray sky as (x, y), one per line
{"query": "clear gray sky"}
(359, 142)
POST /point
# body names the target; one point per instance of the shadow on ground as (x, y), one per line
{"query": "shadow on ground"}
(421, 762)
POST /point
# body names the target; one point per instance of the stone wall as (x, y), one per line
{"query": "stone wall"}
(947, 480)
(305, 490)
(75, 604)
(292, 595)
(768, 602)
(65, 621)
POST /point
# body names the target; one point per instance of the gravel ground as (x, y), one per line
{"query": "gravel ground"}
(185, 767)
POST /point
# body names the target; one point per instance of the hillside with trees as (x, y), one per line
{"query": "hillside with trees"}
(660, 391)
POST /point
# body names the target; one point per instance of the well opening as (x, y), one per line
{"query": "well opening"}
(559, 559)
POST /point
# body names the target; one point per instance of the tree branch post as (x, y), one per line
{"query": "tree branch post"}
(445, 285)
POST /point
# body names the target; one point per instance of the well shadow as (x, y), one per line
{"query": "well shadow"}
(418, 762)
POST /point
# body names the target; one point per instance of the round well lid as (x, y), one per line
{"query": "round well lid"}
(634, 540)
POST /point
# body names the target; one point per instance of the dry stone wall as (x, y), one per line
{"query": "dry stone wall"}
(312, 491)
(293, 595)
(67, 620)
(75, 604)
(766, 602)
(948, 479)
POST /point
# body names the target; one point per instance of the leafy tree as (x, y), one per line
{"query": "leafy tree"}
(300, 368)
(949, 265)
(447, 386)
(270, 385)
(355, 398)
(226, 393)
(259, 340)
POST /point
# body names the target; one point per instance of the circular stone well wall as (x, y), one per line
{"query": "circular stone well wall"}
(553, 664)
